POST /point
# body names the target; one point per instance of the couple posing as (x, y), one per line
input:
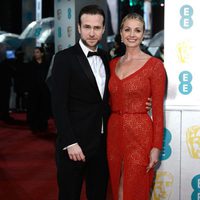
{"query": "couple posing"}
(101, 115)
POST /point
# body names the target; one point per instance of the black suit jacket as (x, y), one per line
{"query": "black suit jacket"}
(76, 101)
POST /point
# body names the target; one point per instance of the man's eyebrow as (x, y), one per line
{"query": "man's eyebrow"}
(95, 26)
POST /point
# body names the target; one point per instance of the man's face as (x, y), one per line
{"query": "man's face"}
(91, 30)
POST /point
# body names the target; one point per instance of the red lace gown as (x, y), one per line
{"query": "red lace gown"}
(131, 132)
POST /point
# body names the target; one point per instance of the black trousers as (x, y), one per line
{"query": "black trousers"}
(72, 173)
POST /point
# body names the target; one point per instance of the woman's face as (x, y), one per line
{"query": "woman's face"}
(132, 33)
(37, 54)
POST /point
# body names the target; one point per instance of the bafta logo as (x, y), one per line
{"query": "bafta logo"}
(193, 141)
(163, 186)
(59, 14)
(69, 31)
(184, 52)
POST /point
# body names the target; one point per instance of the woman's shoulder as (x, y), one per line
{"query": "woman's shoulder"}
(154, 61)
(113, 62)
(157, 60)
(157, 66)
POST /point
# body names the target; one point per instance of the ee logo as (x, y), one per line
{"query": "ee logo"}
(186, 13)
(185, 78)
(196, 187)
(166, 151)
(69, 13)
(59, 32)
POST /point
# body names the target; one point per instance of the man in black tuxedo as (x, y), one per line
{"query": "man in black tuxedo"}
(79, 91)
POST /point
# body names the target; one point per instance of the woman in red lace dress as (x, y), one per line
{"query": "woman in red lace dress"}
(134, 139)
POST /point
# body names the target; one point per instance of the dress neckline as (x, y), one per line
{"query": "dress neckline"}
(134, 73)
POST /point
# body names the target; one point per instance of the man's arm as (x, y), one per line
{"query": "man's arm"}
(59, 84)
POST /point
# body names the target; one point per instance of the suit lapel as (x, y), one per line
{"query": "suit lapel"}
(86, 67)
(88, 71)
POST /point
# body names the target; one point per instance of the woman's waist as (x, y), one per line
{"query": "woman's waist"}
(124, 112)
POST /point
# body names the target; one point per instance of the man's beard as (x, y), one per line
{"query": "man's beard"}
(86, 44)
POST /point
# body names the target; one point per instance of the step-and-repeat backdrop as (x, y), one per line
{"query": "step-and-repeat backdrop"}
(65, 29)
(182, 28)
(178, 177)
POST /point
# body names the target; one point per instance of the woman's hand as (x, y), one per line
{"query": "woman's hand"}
(153, 158)
(149, 104)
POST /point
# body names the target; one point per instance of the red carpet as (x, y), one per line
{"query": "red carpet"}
(27, 167)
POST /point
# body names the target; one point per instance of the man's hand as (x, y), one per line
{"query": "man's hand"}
(149, 104)
(153, 158)
(75, 153)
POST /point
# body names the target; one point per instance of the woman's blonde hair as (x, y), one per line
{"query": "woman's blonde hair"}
(132, 16)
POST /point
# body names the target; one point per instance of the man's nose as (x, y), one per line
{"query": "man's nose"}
(91, 32)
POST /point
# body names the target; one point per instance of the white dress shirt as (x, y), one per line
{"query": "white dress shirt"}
(97, 67)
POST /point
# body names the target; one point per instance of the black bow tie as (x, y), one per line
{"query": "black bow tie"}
(93, 53)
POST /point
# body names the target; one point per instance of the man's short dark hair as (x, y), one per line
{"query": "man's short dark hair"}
(92, 10)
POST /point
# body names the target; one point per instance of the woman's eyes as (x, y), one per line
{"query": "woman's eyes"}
(136, 30)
